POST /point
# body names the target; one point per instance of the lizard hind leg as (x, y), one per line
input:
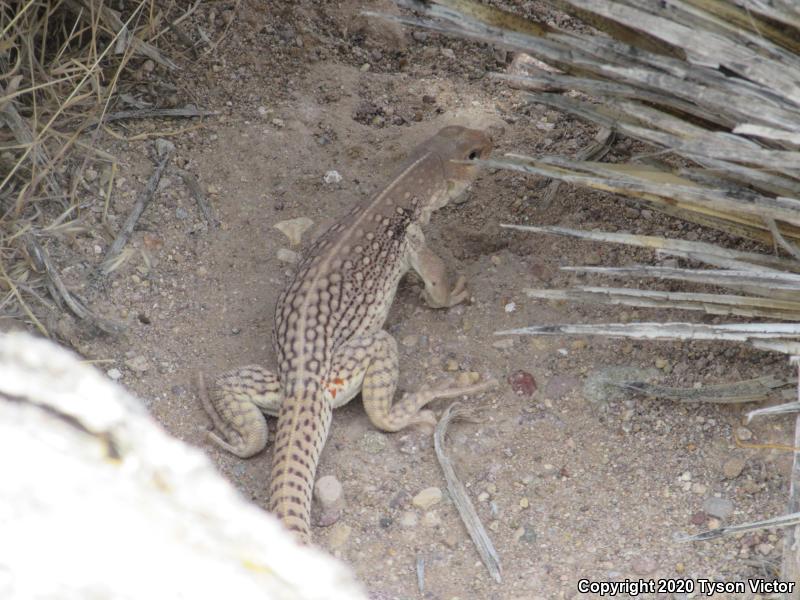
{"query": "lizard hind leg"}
(235, 407)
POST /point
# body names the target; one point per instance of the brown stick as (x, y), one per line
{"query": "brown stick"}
(202, 202)
(459, 495)
(165, 150)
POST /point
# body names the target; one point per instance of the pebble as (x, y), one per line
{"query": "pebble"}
(644, 566)
(288, 256)
(332, 177)
(698, 518)
(468, 378)
(451, 365)
(427, 498)
(294, 229)
(373, 442)
(744, 434)
(408, 519)
(278, 122)
(114, 374)
(504, 344)
(448, 53)
(339, 535)
(328, 492)
(522, 383)
(524, 503)
(181, 213)
(138, 364)
(733, 468)
(661, 363)
(510, 307)
(89, 175)
(718, 507)
(410, 341)
(525, 534)
(699, 488)
(431, 519)
(483, 497)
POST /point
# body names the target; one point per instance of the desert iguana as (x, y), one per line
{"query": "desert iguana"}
(328, 327)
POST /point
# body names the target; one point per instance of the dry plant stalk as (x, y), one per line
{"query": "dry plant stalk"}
(60, 65)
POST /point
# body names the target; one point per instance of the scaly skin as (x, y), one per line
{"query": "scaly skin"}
(329, 334)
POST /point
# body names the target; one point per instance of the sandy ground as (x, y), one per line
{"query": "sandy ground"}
(574, 481)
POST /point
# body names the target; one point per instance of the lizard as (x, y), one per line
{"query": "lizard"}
(328, 327)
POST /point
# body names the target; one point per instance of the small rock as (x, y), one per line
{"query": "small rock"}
(328, 492)
(451, 365)
(181, 213)
(698, 518)
(522, 383)
(510, 307)
(524, 503)
(764, 548)
(680, 568)
(744, 434)
(448, 53)
(278, 122)
(294, 228)
(483, 496)
(373, 442)
(504, 344)
(385, 522)
(427, 498)
(525, 534)
(148, 66)
(718, 507)
(332, 177)
(89, 175)
(138, 364)
(714, 523)
(263, 111)
(733, 468)
(644, 566)
(408, 519)
(468, 378)
(114, 374)
(339, 535)
(699, 488)
(431, 519)
(410, 341)
(400, 499)
(661, 363)
(288, 256)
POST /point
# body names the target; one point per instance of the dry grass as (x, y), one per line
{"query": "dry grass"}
(61, 64)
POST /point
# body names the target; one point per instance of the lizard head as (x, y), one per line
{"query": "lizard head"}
(456, 146)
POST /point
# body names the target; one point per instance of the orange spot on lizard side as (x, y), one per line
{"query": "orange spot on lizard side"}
(338, 381)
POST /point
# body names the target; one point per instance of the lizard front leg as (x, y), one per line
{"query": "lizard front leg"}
(438, 293)
(370, 363)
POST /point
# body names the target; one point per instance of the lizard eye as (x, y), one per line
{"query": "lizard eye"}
(473, 155)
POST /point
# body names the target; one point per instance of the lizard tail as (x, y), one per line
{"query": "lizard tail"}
(303, 425)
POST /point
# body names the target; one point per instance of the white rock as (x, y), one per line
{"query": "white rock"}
(294, 228)
(427, 498)
(288, 256)
(332, 177)
(114, 374)
(328, 492)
